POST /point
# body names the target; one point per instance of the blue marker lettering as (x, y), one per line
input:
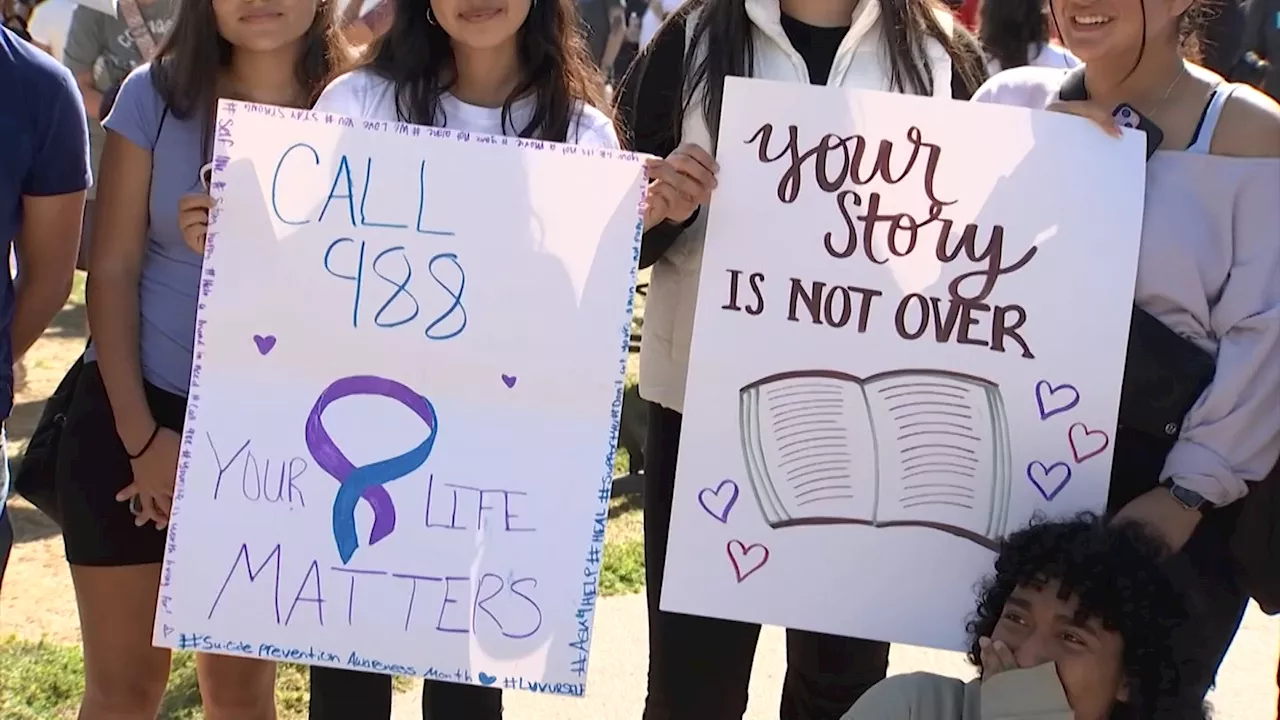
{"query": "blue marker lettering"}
(275, 182)
(364, 196)
(456, 295)
(401, 288)
(344, 169)
(358, 277)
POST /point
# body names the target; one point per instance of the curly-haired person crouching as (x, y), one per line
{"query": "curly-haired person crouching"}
(1075, 624)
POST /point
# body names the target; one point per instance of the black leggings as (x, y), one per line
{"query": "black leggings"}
(699, 668)
(350, 695)
(6, 539)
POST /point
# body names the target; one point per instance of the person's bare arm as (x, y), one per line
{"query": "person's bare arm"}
(351, 12)
(83, 47)
(617, 33)
(46, 248)
(52, 196)
(370, 27)
(115, 269)
(88, 91)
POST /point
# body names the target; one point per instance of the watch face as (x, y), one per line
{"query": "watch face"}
(1191, 499)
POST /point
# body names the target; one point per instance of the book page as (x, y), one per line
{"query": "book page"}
(808, 447)
(941, 447)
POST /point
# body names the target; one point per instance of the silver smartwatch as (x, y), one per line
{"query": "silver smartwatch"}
(1189, 499)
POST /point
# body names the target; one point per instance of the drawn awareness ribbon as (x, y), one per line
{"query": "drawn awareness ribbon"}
(366, 481)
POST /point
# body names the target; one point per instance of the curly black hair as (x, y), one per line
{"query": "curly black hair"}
(1118, 573)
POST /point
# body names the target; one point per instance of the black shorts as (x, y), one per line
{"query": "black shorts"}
(93, 466)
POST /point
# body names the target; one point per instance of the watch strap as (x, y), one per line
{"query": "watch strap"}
(1187, 498)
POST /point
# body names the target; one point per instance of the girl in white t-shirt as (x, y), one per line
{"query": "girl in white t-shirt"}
(517, 68)
(520, 68)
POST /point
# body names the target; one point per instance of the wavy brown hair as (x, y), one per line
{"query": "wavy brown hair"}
(186, 67)
(416, 55)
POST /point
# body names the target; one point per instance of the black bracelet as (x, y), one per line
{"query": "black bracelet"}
(146, 447)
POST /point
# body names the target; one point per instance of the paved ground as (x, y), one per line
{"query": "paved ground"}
(615, 690)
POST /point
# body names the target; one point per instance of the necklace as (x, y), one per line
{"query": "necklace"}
(1182, 70)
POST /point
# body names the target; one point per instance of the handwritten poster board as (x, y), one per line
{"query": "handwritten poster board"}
(408, 377)
(910, 336)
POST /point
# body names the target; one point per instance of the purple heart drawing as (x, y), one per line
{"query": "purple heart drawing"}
(509, 381)
(1055, 399)
(710, 499)
(1049, 480)
(264, 343)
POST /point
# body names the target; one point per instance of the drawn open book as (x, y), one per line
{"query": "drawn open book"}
(928, 448)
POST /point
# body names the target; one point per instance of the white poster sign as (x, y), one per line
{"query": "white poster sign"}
(910, 335)
(408, 376)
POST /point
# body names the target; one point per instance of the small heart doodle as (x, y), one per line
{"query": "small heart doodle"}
(264, 343)
(487, 679)
(746, 559)
(717, 505)
(1086, 443)
(1055, 399)
(1050, 479)
(509, 381)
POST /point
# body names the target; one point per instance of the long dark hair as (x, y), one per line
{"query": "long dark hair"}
(1008, 28)
(724, 29)
(186, 67)
(416, 55)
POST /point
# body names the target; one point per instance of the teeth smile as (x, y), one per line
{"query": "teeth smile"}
(1091, 20)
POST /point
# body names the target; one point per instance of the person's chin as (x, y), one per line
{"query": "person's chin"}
(486, 38)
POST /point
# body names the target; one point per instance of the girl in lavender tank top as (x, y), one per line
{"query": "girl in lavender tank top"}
(1209, 269)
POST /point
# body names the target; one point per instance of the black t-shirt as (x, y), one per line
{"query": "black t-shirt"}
(650, 100)
(817, 45)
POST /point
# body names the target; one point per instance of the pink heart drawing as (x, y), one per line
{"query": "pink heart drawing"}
(746, 559)
(1086, 443)
(1049, 480)
(264, 343)
(1054, 399)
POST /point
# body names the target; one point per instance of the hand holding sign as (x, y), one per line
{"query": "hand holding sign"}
(680, 184)
(193, 219)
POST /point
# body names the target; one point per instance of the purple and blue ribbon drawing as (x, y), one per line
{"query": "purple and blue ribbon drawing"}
(366, 481)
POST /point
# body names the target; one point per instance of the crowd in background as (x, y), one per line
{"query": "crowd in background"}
(1134, 609)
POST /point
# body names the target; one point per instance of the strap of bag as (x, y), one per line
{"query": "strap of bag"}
(142, 36)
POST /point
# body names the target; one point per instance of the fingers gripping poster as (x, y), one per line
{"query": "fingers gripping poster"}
(910, 336)
(408, 374)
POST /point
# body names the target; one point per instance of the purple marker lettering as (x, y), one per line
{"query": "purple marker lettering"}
(318, 598)
(253, 577)
(479, 602)
(446, 602)
(351, 590)
(413, 592)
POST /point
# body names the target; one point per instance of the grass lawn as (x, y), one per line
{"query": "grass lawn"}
(42, 680)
